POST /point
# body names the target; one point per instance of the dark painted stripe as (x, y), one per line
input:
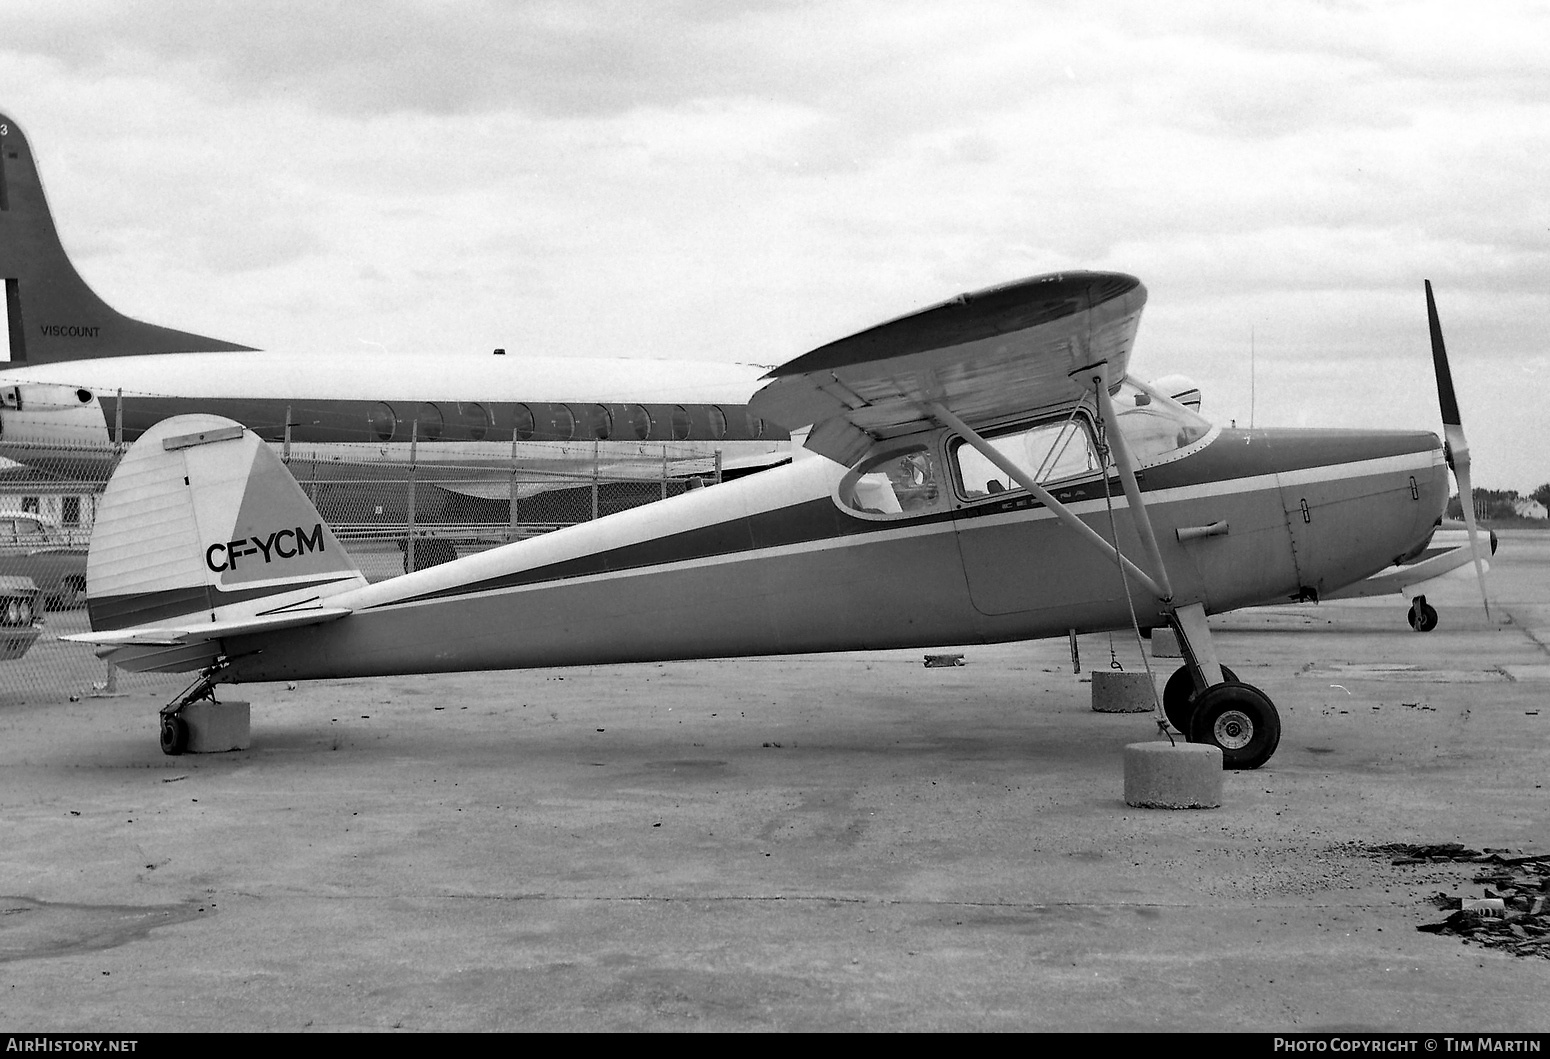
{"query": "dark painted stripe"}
(375, 422)
(822, 519)
(107, 613)
(1246, 453)
(810, 520)
(983, 314)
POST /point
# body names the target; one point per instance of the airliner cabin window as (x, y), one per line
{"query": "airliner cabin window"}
(383, 422)
(1050, 451)
(639, 420)
(902, 482)
(522, 422)
(680, 423)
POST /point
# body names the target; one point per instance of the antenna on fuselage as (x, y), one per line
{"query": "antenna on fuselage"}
(1251, 376)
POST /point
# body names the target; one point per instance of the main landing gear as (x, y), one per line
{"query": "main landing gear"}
(1237, 718)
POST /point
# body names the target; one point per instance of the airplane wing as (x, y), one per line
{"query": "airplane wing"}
(180, 635)
(997, 352)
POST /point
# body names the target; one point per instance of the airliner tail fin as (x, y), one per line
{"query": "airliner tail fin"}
(50, 312)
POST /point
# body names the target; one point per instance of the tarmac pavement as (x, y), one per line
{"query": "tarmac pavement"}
(843, 842)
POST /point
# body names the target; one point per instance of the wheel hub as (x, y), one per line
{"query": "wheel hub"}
(1233, 730)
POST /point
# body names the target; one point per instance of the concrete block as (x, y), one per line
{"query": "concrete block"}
(216, 727)
(1160, 775)
(1118, 692)
(1165, 643)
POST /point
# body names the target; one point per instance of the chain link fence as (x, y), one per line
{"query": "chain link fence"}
(394, 513)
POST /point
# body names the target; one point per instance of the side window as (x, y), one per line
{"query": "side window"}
(1050, 451)
(522, 423)
(901, 482)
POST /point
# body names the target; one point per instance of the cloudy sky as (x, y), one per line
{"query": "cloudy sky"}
(746, 180)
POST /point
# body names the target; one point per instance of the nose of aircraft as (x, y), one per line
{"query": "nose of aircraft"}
(1358, 500)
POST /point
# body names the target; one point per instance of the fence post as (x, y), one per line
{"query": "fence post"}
(595, 471)
(664, 470)
(414, 442)
(118, 423)
(718, 466)
(511, 534)
(285, 452)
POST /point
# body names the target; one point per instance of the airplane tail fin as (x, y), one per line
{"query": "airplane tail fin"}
(203, 532)
(51, 314)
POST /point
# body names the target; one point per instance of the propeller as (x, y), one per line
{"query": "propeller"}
(1457, 450)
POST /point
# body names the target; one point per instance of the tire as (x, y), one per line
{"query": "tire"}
(1427, 621)
(1177, 696)
(1240, 720)
(174, 735)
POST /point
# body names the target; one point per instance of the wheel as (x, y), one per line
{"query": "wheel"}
(1240, 720)
(174, 735)
(1423, 616)
(1177, 694)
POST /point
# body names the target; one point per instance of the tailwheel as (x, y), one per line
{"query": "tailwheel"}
(174, 734)
(1423, 616)
(1240, 720)
(1179, 695)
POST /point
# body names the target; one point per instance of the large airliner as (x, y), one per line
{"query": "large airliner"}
(81, 379)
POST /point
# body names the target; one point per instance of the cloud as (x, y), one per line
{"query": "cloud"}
(749, 180)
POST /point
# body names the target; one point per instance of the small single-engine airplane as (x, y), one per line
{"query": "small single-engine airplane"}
(77, 376)
(982, 470)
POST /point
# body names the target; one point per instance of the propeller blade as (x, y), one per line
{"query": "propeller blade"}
(1458, 445)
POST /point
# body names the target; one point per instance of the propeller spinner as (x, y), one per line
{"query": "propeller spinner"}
(1457, 444)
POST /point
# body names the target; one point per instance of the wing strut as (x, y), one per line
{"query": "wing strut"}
(1060, 511)
(1127, 479)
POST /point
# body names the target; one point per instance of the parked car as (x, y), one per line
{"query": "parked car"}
(18, 617)
(35, 546)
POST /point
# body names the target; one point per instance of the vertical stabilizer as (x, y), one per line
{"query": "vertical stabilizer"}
(201, 522)
(51, 314)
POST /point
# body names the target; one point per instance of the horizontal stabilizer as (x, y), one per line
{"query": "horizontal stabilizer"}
(175, 635)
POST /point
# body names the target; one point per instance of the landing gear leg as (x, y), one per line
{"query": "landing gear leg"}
(1207, 702)
(174, 729)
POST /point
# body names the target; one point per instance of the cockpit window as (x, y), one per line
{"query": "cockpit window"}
(1154, 426)
(901, 482)
(1050, 451)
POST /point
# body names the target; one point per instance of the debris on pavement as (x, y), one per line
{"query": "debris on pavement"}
(1512, 911)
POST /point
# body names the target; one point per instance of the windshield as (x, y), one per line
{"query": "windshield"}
(1156, 428)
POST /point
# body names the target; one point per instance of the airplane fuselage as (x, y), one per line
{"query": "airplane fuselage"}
(454, 407)
(777, 563)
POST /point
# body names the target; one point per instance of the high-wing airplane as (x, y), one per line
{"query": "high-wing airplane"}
(78, 376)
(982, 470)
